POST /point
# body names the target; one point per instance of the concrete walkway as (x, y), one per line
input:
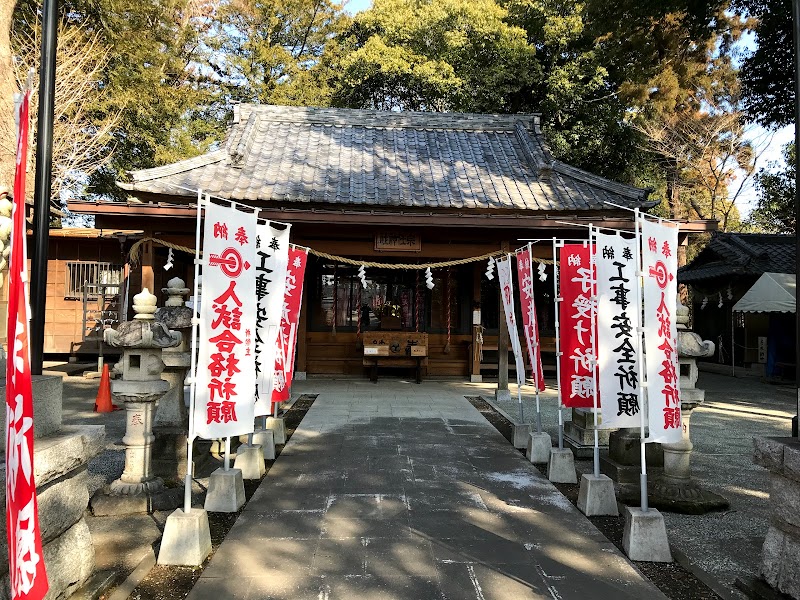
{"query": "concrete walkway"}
(404, 491)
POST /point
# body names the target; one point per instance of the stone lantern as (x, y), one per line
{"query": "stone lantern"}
(142, 341)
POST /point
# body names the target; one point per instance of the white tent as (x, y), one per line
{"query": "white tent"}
(773, 292)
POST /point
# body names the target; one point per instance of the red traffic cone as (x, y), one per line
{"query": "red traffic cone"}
(103, 403)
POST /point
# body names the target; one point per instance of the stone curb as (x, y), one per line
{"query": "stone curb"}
(139, 573)
(708, 579)
(489, 400)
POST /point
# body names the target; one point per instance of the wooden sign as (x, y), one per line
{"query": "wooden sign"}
(388, 241)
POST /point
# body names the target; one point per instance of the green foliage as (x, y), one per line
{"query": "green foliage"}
(775, 208)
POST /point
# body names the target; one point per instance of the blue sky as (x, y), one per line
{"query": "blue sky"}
(354, 6)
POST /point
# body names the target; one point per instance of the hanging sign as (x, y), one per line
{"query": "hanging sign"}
(617, 327)
(530, 324)
(226, 357)
(271, 262)
(577, 381)
(28, 578)
(659, 267)
(507, 293)
(290, 316)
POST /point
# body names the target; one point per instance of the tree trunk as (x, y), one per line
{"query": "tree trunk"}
(8, 87)
(673, 194)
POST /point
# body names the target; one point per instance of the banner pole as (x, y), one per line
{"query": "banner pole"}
(536, 350)
(592, 270)
(557, 244)
(228, 453)
(642, 384)
(187, 491)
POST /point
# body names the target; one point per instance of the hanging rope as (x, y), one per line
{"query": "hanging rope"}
(447, 300)
(136, 249)
(335, 299)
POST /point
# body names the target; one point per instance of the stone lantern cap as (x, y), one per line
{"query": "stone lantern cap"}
(144, 331)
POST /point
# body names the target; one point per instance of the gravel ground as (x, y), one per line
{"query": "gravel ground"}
(724, 545)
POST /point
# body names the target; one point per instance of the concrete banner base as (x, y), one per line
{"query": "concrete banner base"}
(596, 496)
(645, 536)
(278, 428)
(266, 439)
(187, 539)
(561, 468)
(250, 461)
(225, 491)
(539, 446)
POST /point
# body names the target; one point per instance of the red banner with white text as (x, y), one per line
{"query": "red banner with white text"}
(26, 562)
(290, 316)
(530, 324)
(576, 314)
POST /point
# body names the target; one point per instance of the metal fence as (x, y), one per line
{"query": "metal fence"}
(84, 279)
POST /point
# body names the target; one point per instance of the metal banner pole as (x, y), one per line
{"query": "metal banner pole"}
(187, 492)
(558, 244)
(228, 453)
(640, 354)
(593, 337)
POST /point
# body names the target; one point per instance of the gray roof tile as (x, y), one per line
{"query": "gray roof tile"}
(374, 158)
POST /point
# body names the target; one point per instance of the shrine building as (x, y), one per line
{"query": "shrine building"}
(395, 188)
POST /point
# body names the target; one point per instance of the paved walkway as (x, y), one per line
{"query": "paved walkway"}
(404, 491)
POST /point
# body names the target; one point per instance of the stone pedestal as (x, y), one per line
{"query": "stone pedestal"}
(186, 540)
(561, 468)
(539, 446)
(225, 491)
(278, 428)
(623, 463)
(579, 433)
(250, 461)
(142, 341)
(645, 536)
(266, 439)
(61, 454)
(780, 557)
(596, 496)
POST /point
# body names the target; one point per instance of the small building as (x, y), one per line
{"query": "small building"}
(400, 189)
(719, 276)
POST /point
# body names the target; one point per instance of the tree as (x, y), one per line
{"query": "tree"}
(774, 210)
(274, 51)
(767, 74)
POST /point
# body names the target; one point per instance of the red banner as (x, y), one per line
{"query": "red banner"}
(26, 562)
(290, 316)
(577, 290)
(530, 325)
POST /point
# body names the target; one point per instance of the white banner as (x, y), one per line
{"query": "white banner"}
(226, 358)
(507, 293)
(618, 317)
(270, 283)
(659, 267)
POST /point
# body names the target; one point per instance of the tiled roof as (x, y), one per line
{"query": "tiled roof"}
(386, 159)
(741, 254)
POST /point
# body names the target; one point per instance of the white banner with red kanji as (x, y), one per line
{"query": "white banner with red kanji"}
(659, 268)
(271, 263)
(530, 324)
(226, 357)
(290, 317)
(576, 314)
(28, 578)
(507, 294)
(618, 315)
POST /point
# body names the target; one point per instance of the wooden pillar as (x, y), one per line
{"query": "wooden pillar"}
(302, 339)
(502, 340)
(148, 276)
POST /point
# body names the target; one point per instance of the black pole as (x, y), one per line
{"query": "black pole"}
(796, 20)
(43, 183)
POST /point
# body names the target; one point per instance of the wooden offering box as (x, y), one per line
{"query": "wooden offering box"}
(395, 349)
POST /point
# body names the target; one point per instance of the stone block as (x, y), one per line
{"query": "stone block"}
(585, 436)
(62, 504)
(225, 491)
(789, 582)
(266, 439)
(250, 461)
(300, 376)
(69, 560)
(561, 468)
(47, 397)
(56, 456)
(521, 435)
(584, 417)
(539, 446)
(502, 395)
(92, 436)
(784, 499)
(772, 556)
(645, 536)
(171, 411)
(186, 540)
(768, 452)
(278, 428)
(596, 496)
(169, 453)
(791, 460)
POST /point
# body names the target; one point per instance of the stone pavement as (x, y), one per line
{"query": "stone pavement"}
(404, 491)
